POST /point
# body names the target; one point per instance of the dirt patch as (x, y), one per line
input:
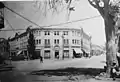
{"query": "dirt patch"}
(69, 71)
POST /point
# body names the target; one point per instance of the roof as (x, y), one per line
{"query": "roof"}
(58, 28)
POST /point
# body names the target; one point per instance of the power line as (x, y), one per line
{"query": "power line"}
(44, 26)
(22, 16)
(60, 23)
(9, 24)
(73, 21)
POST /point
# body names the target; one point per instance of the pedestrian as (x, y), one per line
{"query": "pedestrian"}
(41, 59)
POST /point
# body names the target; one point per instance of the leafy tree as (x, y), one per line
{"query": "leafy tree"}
(31, 45)
(108, 9)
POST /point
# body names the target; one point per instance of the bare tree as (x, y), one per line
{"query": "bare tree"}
(55, 6)
(108, 9)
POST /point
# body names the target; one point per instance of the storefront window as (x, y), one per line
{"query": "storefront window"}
(47, 54)
(66, 53)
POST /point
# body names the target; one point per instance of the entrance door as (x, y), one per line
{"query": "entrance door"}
(57, 54)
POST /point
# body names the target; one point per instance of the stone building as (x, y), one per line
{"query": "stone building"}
(51, 43)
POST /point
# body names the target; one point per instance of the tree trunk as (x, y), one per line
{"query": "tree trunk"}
(110, 44)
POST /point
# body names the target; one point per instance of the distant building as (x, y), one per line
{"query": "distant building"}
(86, 43)
(97, 50)
(4, 47)
(51, 43)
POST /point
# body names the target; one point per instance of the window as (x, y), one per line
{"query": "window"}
(56, 32)
(39, 32)
(73, 41)
(65, 32)
(66, 54)
(47, 54)
(47, 32)
(39, 41)
(36, 41)
(56, 41)
(66, 41)
(47, 41)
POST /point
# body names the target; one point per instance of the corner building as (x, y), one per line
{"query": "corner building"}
(51, 43)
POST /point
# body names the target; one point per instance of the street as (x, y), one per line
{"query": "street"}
(22, 70)
(32, 65)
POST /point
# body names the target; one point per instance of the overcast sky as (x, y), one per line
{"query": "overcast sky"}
(93, 27)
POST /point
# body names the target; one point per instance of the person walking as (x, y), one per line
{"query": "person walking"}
(41, 59)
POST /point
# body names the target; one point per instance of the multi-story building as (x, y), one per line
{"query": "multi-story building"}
(85, 43)
(50, 43)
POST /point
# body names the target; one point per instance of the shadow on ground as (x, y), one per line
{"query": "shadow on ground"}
(69, 71)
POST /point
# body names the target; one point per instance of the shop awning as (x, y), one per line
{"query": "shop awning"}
(19, 52)
(78, 50)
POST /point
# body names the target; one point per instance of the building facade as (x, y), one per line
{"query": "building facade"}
(4, 48)
(50, 43)
(85, 43)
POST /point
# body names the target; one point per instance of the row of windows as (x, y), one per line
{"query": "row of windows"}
(57, 41)
(48, 32)
(47, 54)
(57, 32)
(74, 41)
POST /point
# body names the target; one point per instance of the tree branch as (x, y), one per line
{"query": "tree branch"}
(91, 3)
(106, 7)
(96, 5)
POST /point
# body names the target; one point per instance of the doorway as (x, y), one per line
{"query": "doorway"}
(57, 54)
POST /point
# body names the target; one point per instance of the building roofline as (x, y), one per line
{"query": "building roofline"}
(56, 28)
(24, 33)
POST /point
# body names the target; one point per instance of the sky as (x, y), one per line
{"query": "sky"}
(93, 27)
